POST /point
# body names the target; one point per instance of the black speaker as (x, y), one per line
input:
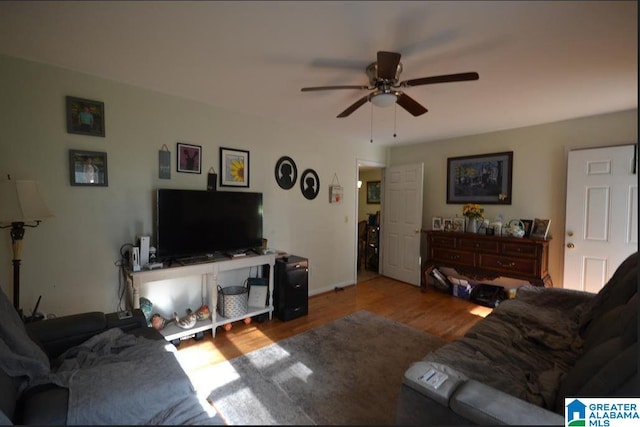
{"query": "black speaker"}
(291, 287)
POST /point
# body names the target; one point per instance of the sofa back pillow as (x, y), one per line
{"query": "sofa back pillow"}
(618, 290)
(619, 320)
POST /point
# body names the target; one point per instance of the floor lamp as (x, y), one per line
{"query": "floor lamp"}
(21, 205)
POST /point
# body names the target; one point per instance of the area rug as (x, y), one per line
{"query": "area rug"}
(347, 372)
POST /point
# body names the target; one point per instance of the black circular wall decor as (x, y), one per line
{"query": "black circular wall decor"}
(286, 172)
(309, 184)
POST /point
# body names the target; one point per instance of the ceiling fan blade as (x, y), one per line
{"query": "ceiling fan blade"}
(309, 89)
(446, 78)
(410, 104)
(387, 65)
(353, 107)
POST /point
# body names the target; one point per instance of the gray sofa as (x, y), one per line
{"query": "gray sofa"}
(92, 368)
(518, 364)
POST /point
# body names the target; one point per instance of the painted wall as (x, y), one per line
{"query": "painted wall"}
(72, 259)
(539, 169)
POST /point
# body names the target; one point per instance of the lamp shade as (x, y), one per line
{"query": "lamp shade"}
(21, 201)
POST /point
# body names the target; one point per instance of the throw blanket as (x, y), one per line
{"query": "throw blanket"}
(113, 378)
(117, 378)
(522, 348)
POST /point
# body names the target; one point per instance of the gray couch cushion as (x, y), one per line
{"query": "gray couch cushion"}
(612, 375)
(8, 394)
(4, 420)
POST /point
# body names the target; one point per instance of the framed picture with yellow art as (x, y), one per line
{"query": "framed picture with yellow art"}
(234, 167)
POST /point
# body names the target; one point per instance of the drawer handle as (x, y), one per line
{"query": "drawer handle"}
(477, 245)
(454, 257)
(297, 286)
(506, 264)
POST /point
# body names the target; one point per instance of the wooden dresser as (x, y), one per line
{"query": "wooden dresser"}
(486, 257)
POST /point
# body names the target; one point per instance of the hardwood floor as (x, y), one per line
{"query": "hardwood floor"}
(433, 312)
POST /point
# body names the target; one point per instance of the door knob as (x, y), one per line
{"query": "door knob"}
(417, 231)
(570, 233)
(570, 245)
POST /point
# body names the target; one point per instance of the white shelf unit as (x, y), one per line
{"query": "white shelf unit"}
(210, 272)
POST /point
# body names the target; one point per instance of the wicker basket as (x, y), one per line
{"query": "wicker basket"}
(233, 301)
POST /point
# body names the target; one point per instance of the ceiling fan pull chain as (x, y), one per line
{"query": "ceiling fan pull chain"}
(371, 140)
(395, 118)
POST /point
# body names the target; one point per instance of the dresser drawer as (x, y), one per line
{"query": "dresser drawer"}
(445, 241)
(519, 249)
(491, 246)
(453, 257)
(520, 266)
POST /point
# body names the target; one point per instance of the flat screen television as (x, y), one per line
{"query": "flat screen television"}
(196, 223)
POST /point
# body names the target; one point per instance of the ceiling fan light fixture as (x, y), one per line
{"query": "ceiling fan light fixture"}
(384, 99)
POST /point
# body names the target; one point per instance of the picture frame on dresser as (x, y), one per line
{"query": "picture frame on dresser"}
(436, 223)
(540, 228)
(481, 178)
(528, 223)
(459, 224)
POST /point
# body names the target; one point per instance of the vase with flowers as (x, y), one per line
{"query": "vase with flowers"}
(473, 212)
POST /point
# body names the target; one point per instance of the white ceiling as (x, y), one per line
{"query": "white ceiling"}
(538, 61)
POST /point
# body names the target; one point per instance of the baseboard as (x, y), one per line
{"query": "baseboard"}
(330, 288)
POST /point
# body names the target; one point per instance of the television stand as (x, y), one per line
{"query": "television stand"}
(210, 273)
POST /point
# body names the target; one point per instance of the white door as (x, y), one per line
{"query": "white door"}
(601, 227)
(402, 222)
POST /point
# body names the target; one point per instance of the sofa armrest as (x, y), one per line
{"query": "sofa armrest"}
(61, 333)
(137, 320)
(485, 405)
(414, 377)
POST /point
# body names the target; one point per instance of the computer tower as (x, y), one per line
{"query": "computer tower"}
(291, 287)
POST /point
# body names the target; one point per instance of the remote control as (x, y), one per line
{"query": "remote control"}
(153, 265)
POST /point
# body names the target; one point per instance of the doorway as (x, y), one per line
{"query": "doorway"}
(368, 209)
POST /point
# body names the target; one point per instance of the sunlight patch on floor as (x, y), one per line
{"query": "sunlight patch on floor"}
(298, 370)
(481, 311)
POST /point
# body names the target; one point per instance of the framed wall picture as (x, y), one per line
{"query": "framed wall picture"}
(88, 168)
(373, 192)
(286, 172)
(84, 116)
(483, 179)
(436, 223)
(309, 184)
(189, 158)
(540, 228)
(234, 167)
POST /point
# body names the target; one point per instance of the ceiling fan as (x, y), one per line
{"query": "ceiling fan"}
(384, 82)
